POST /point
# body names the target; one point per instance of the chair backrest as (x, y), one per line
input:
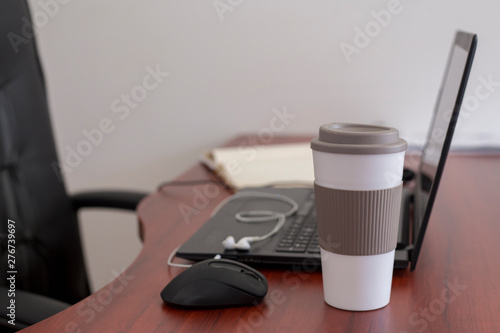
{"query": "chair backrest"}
(48, 252)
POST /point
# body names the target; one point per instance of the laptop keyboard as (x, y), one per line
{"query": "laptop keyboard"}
(300, 235)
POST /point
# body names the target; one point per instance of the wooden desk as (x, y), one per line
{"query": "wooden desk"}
(455, 288)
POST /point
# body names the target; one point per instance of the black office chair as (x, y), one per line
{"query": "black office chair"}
(48, 260)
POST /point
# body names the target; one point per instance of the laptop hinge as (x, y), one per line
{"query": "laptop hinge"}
(409, 249)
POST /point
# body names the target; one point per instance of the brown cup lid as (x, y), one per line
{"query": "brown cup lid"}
(344, 138)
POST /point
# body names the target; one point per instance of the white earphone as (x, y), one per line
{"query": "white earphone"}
(243, 244)
(256, 216)
(252, 216)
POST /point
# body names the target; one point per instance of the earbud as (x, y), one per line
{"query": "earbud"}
(228, 243)
(256, 216)
(243, 244)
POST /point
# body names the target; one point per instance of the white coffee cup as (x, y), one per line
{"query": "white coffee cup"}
(358, 173)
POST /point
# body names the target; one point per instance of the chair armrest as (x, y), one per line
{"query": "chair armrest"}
(29, 308)
(110, 199)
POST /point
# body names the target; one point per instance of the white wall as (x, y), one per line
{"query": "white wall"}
(230, 63)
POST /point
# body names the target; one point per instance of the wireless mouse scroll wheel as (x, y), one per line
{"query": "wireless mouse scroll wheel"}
(252, 274)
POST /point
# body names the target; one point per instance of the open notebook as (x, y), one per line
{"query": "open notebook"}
(256, 166)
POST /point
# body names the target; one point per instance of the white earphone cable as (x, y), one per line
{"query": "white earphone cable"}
(171, 256)
(251, 216)
(257, 216)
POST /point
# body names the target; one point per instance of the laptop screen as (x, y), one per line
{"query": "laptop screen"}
(441, 132)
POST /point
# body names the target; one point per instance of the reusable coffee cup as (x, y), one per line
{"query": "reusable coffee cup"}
(358, 172)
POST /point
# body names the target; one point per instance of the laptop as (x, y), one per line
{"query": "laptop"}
(296, 243)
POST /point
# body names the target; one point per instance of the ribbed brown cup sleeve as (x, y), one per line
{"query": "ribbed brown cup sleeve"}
(358, 222)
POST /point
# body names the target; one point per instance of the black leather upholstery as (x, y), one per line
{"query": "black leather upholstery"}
(107, 199)
(48, 257)
(31, 193)
(35, 308)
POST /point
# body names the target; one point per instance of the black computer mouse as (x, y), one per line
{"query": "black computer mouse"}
(216, 283)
